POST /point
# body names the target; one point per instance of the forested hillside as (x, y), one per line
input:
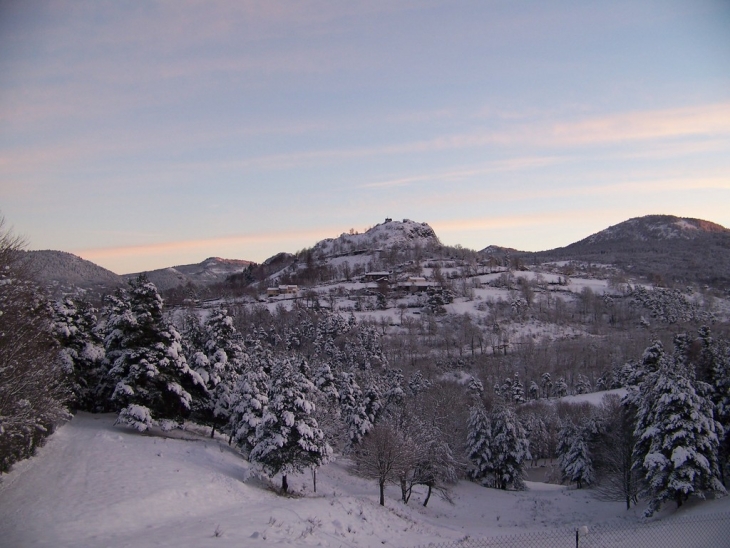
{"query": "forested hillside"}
(458, 359)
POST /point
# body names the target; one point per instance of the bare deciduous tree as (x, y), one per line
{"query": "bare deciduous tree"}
(33, 391)
(385, 455)
(617, 478)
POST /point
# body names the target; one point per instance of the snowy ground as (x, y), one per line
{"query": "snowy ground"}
(95, 484)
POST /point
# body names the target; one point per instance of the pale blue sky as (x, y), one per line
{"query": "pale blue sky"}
(147, 134)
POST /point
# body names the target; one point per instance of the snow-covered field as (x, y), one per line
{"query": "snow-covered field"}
(96, 484)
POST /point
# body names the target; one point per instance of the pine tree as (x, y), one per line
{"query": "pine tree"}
(561, 388)
(288, 439)
(327, 400)
(582, 385)
(76, 328)
(479, 437)
(574, 457)
(417, 384)
(153, 381)
(475, 388)
(373, 400)
(352, 408)
(510, 448)
(219, 364)
(251, 400)
(547, 384)
(539, 436)
(677, 434)
(518, 390)
(715, 367)
(325, 381)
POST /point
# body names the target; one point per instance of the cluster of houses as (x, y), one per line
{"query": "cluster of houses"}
(282, 290)
(413, 284)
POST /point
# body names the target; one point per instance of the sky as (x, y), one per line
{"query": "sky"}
(140, 135)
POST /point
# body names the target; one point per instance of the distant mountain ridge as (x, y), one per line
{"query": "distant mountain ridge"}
(655, 228)
(658, 247)
(211, 270)
(661, 248)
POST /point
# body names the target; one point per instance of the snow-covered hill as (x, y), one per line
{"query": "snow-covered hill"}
(211, 270)
(661, 248)
(95, 484)
(656, 227)
(385, 235)
(65, 269)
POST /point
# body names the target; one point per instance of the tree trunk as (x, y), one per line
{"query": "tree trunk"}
(212, 432)
(314, 479)
(284, 485)
(382, 493)
(428, 496)
(403, 490)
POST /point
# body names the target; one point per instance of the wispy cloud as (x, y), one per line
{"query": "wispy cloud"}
(703, 120)
(511, 164)
(204, 245)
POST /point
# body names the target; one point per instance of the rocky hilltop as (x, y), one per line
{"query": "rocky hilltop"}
(385, 235)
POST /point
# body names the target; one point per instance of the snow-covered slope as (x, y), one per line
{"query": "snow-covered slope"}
(95, 484)
(64, 269)
(656, 227)
(660, 248)
(385, 235)
(211, 270)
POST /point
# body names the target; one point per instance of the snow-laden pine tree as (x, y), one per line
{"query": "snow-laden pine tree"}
(539, 436)
(373, 400)
(152, 379)
(574, 456)
(352, 408)
(327, 400)
(560, 389)
(677, 434)
(510, 448)
(288, 439)
(251, 398)
(475, 388)
(219, 363)
(518, 390)
(715, 367)
(547, 384)
(76, 328)
(478, 443)
(325, 381)
(418, 384)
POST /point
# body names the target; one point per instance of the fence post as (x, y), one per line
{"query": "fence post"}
(577, 541)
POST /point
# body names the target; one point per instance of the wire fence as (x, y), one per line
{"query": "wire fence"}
(708, 531)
